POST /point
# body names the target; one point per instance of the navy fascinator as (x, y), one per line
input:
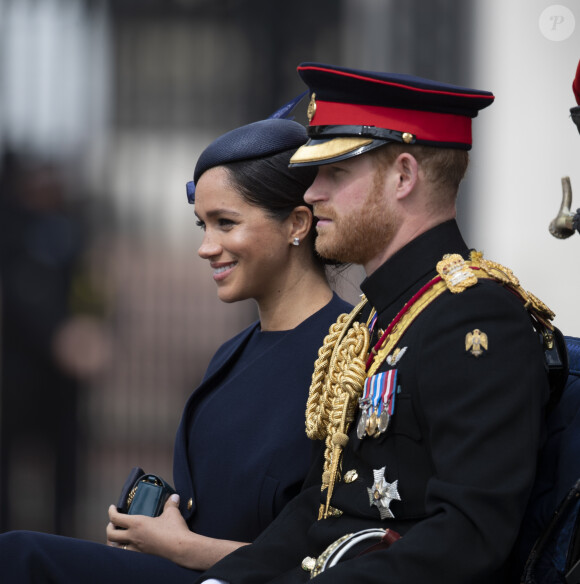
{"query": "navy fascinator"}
(256, 140)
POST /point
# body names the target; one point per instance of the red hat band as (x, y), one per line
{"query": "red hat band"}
(425, 126)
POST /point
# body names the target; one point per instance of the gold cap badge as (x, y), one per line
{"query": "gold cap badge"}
(311, 107)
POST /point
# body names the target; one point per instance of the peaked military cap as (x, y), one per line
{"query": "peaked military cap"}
(575, 111)
(255, 140)
(352, 111)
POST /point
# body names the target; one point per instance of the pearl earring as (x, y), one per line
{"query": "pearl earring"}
(296, 241)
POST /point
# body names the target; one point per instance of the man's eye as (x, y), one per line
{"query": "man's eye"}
(225, 223)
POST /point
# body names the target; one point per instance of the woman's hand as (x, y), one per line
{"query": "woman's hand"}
(151, 535)
(167, 536)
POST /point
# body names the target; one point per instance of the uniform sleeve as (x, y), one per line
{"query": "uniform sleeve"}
(280, 548)
(483, 419)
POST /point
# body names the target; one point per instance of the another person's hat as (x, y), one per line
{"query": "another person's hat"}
(352, 111)
(256, 140)
(576, 84)
(575, 111)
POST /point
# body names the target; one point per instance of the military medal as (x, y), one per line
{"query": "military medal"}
(377, 404)
(382, 493)
(384, 420)
(364, 404)
(372, 423)
(388, 401)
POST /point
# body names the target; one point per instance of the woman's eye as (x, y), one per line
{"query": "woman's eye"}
(219, 222)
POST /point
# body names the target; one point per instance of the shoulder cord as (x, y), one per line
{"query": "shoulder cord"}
(337, 381)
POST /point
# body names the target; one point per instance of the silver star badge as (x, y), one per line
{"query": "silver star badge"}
(382, 493)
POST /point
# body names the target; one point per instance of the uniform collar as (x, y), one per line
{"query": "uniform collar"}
(393, 283)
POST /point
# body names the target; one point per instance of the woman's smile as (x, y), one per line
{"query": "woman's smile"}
(222, 271)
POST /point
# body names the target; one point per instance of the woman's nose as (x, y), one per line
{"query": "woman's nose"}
(209, 247)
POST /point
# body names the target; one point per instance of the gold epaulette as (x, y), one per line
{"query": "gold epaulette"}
(506, 277)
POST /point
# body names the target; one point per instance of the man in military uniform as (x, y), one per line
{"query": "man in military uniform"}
(427, 400)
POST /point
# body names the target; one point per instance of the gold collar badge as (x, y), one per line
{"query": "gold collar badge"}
(396, 356)
(456, 273)
(476, 342)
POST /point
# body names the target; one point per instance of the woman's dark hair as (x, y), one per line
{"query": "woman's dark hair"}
(269, 183)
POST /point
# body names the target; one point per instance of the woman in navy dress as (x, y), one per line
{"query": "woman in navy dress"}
(241, 452)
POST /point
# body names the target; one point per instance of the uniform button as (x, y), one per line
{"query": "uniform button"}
(308, 564)
(350, 476)
(334, 512)
(190, 504)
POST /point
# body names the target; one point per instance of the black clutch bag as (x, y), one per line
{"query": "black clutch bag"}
(144, 494)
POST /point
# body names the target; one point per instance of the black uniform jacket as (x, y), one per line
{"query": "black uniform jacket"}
(462, 443)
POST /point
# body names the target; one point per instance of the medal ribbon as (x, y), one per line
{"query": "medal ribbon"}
(367, 390)
(379, 389)
(373, 322)
(389, 394)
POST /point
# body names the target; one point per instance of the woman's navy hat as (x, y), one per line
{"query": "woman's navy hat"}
(352, 111)
(256, 140)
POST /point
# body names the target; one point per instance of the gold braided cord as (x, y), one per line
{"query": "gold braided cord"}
(324, 377)
(337, 383)
(317, 417)
(347, 375)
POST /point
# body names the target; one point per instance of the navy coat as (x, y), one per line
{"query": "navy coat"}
(462, 444)
(264, 454)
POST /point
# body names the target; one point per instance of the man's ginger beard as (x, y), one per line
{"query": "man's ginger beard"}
(364, 233)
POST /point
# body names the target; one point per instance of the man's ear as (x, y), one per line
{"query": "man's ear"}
(300, 222)
(407, 169)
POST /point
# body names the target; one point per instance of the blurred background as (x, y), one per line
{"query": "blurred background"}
(108, 317)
